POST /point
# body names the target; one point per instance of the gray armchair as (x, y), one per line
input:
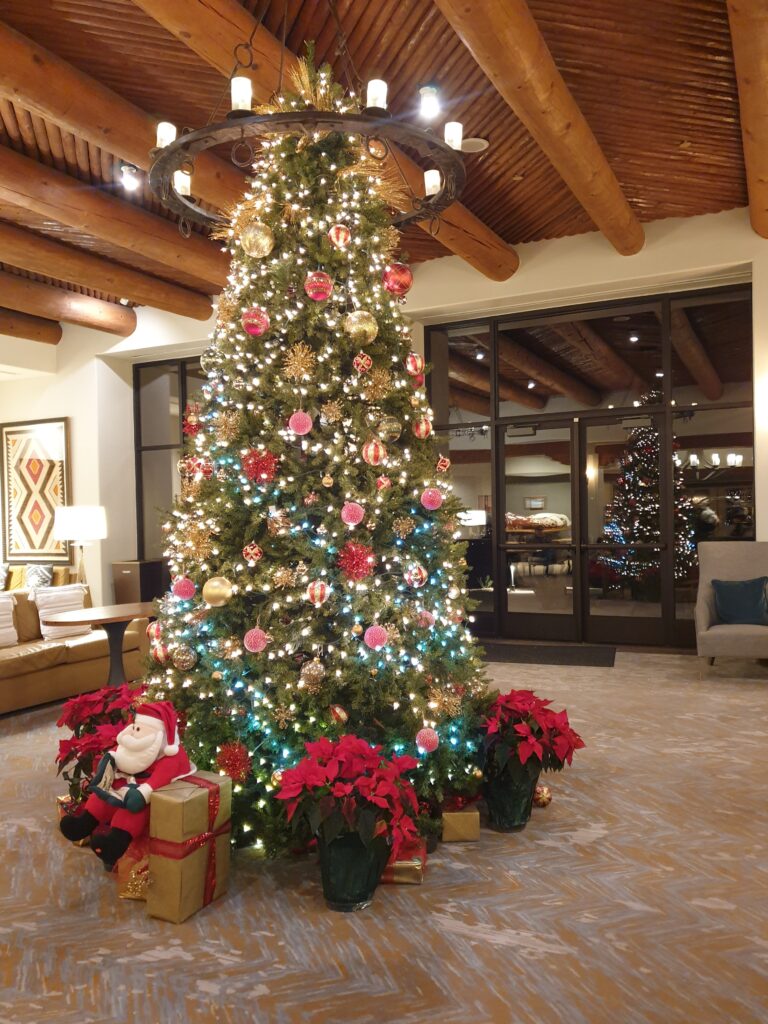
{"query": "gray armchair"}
(736, 560)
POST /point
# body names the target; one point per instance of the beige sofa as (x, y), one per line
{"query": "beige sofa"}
(36, 671)
(734, 560)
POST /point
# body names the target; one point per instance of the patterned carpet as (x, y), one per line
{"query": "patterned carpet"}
(639, 895)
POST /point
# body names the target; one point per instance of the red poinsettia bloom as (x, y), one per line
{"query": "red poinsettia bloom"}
(520, 723)
(528, 743)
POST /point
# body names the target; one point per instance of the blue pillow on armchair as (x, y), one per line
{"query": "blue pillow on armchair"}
(742, 602)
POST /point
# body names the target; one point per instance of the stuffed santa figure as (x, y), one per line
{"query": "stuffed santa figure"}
(146, 757)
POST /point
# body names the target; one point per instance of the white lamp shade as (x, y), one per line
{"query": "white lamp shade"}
(80, 523)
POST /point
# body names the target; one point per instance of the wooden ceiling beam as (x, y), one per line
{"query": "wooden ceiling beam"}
(694, 356)
(749, 36)
(31, 328)
(469, 374)
(515, 354)
(44, 300)
(508, 46)
(42, 255)
(595, 358)
(468, 401)
(62, 199)
(213, 30)
(40, 81)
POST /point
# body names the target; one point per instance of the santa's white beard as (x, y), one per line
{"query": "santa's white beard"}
(135, 754)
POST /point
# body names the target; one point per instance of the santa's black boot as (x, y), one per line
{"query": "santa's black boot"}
(111, 846)
(77, 826)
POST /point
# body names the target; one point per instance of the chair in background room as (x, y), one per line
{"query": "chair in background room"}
(739, 560)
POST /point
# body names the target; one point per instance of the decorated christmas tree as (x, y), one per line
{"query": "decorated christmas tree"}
(318, 580)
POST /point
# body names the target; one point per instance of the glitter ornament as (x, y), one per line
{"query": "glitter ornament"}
(389, 428)
(352, 513)
(300, 422)
(255, 640)
(338, 714)
(414, 363)
(252, 552)
(255, 321)
(154, 632)
(542, 796)
(443, 464)
(361, 326)
(362, 362)
(374, 452)
(327, 481)
(318, 592)
(376, 637)
(415, 575)
(234, 760)
(403, 526)
(160, 654)
(422, 427)
(427, 741)
(318, 285)
(383, 483)
(331, 411)
(259, 465)
(431, 499)
(397, 279)
(217, 591)
(339, 236)
(299, 363)
(184, 658)
(312, 674)
(184, 588)
(356, 561)
(425, 619)
(257, 239)
(227, 427)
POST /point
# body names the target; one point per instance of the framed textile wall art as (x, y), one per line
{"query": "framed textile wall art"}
(35, 482)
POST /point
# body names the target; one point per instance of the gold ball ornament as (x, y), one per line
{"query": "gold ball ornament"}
(276, 777)
(477, 773)
(542, 796)
(357, 629)
(257, 239)
(389, 428)
(217, 591)
(218, 676)
(327, 481)
(184, 658)
(361, 326)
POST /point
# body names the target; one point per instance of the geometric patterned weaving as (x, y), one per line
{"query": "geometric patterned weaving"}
(34, 486)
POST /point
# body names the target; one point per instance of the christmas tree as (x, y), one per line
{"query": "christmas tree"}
(634, 515)
(318, 580)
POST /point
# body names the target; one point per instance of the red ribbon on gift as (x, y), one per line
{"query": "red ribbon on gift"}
(459, 802)
(179, 850)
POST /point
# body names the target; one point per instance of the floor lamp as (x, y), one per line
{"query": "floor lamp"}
(80, 525)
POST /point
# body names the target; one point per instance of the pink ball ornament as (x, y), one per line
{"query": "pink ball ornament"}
(431, 499)
(376, 637)
(414, 364)
(318, 285)
(339, 236)
(318, 592)
(352, 513)
(300, 422)
(427, 740)
(255, 640)
(425, 619)
(255, 321)
(184, 588)
(397, 279)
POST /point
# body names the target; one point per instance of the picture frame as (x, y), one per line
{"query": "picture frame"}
(35, 482)
(536, 503)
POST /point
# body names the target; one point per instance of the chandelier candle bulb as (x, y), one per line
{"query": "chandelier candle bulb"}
(242, 93)
(431, 182)
(166, 134)
(376, 94)
(454, 134)
(429, 106)
(182, 182)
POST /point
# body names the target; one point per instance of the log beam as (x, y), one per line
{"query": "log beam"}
(469, 374)
(595, 358)
(469, 401)
(212, 30)
(515, 354)
(694, 356)
(40, 81)
(45, 300)
(32, 328)
(749, 36)
(509, 48)
(62, 199)
(42, 255)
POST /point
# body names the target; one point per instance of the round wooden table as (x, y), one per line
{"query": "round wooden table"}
(113, 619)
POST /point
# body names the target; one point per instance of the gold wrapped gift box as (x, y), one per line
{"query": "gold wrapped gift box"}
(409, 867)
(461, 826)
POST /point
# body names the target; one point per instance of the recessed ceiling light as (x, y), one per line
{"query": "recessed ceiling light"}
(659, 373)
(634, 337)
(474, 145)
(479, 354)
(531, 384)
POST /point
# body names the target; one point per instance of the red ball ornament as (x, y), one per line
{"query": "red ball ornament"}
(338, 714)
(397, 279)
(234, 760)
(431, 499)
(362, 362)
(418, 380)
(422, 427)
(300, 422)
(427, 740)
(383, 483)
(161, 654)
(154, 632)
(425, 619)
(252, 552)
(339, 236)
(414, 364)
(356, 561)
(255, 321)
(255, 640)
(318, 592)
(260, 465)
(318, 285)
(374, 452)
(376, 637)
(184, 588)
(415, 575)
(352, 513)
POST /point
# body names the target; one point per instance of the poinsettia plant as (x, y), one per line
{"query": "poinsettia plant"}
(350, 786)
(95, 720)
(522, 726)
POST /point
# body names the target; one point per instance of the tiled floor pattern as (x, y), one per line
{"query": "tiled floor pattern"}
(639, 895)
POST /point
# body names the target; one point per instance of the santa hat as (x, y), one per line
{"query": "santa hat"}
(163, 713)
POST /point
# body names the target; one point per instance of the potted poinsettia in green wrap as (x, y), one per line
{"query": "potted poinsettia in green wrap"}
(358, 804)
(523, 737)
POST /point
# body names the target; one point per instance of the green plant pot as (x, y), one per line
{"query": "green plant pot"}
(350, 870)
(509, 795)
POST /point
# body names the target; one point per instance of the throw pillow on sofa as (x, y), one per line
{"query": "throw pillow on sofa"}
(52, 600)
(8, 635)
(3, 574)
(742, 602)
(37, 576)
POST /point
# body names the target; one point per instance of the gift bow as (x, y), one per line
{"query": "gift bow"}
(178, 850)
